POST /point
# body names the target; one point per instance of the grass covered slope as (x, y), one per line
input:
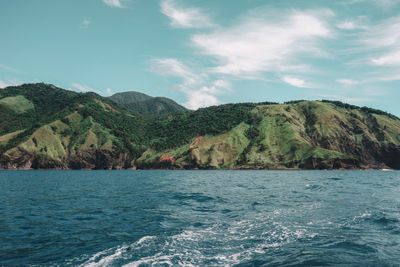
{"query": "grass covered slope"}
(304, 134)
(67, 130)
(43, 126)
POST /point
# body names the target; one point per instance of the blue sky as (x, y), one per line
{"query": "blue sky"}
(208, 52)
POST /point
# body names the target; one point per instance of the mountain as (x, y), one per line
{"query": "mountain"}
(42, 126)
(294, 135)
(147, 105)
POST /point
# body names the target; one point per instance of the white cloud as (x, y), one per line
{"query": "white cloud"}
(381, 43)
(113, 3)
(6, 83)
(3, 84)
(222, 84)
(388, 77)
(8, 68)
(193, 84)
(263, 42)
(83, 88)
(171, 66)
(109, 91)
(391, 59)
(85, 24)
(351, 25)
(295, 82)
(185, 17)
(347, 81)
(200, 98)
(383, 35)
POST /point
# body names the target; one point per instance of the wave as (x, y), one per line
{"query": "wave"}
(238, 242)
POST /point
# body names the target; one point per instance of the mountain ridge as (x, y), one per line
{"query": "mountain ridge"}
(46, 127)
(145, 104)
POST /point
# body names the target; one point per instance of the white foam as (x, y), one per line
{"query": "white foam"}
(312, 235)
(144, 239)
(364, 215)
(191, 247)
(106, 260)
(103, 258)
(154, 260)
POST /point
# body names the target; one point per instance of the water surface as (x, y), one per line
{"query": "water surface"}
(207, 218)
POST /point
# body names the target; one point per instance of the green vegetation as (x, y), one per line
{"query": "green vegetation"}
(147, 105)
(174, 130)
(43, 126)
(17, 103)
(129, 97)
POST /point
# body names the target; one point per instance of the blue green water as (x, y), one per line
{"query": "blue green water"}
(200, 218)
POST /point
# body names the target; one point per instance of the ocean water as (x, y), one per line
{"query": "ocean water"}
(200, 218)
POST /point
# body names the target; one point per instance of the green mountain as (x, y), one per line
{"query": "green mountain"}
(147, 105)
(42, 126)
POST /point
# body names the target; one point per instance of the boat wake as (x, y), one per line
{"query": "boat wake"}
(236, 243)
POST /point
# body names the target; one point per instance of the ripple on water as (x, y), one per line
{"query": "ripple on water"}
(198, 197)
(237, 242)
(204, 218)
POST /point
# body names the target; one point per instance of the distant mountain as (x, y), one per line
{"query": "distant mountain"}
(147, 105)
(130, 97)
(46, 127)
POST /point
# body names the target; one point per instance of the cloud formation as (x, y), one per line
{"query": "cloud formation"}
(266, 42)
(109, 91)
(113, 3)
(351, 25)
(390, 59)
(384, 35)
(8, 68)
(381, 45)
(200, 90)
(295, 82)
(185, 17)
(6, 83)
(347, 81)
(291, 45)
(83, 88)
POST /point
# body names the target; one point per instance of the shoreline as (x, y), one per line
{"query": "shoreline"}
(204, 169)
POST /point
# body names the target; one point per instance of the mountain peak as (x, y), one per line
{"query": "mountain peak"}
(145, 104)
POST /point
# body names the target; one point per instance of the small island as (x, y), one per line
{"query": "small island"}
(46, 127)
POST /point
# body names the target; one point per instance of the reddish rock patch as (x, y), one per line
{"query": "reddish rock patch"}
(167, 157)
(196, 142)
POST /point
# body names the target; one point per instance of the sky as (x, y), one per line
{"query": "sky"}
(208, 52)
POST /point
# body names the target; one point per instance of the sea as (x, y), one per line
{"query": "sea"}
(199, 218)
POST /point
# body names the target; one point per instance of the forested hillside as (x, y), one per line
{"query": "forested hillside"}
(42, 126)
(147, 105)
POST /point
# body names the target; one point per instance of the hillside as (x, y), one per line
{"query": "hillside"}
(147, 105)
(43, 126)
(305, 135)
